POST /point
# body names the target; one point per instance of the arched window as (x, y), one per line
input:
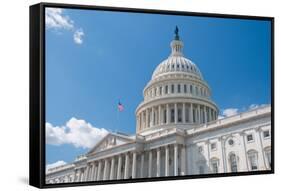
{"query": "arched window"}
(253, 159)
(233, 162)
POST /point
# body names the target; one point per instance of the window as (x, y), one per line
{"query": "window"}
(230, 142)
(184, 88)
(191, 89)
(155, 91)
(215, 165)
(172, 88)
(179, 88)
(165, 116)
(233, 162)
(172, 115)
(200, 149)
(213, 146)
(253, 159)
(160, 90)
(166, 89)
(250, 138)
(266, 134)
(179, 115)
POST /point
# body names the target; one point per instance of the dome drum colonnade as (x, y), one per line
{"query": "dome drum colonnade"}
(176, 94)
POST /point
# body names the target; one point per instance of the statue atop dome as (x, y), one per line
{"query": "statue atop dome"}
(177, 33)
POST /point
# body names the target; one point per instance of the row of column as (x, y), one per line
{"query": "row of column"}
(175, 113)
(132, 165)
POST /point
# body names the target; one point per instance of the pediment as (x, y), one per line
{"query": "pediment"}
(111, 140)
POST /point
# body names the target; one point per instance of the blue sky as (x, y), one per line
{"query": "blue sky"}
(113, 56)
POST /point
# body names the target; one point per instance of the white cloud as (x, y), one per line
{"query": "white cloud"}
(229, 112)
(78, 36)
(57, 20)
(55, 164)
(233, 111)
(76, 132)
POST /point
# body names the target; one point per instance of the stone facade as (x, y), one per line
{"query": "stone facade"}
(177, 133)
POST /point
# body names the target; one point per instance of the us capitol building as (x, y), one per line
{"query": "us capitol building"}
(177, 133)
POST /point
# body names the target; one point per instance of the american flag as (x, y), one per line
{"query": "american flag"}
(120, 106)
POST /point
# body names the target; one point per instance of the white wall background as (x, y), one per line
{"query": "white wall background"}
(14, 88)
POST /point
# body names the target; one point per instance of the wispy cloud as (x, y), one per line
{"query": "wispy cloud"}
(76, 132)
(57, 20)
(55, 164)
(78, 36)
(233, 111)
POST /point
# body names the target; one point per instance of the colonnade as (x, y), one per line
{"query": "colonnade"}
(134, 165)
(175, 113)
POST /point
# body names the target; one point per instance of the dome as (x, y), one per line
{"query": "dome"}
(176, 62)
(176, 96)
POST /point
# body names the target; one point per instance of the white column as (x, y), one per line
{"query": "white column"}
(126, 174)
(222, 141)
(142, 120)
(191, 113)
(159, 115)
(87, 173)
(78, 175)
(262, 164)
(152, 117)
(112, 166)
(175, 160)
(146, 118)
(205, 114)
(119, 167)
(199, 113)
(105, 171)
(183, 160)
(99, 170)
(183, 113)
(158, 165)
(93, 172)
(150, 164)
(167, 161)
(168, 117)
(142, 165)
(244, 155)
(134, 165)
(176, 112)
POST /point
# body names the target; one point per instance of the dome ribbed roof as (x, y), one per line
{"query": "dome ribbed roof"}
(176, 62)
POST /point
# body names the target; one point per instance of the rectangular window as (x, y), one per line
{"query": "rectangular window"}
(179, 88)
(166, 89)
(172, 115)
(184, 88)
(250, 138)
(215, 168)
(213, 146)
(172, 88)
(160, 90)
(179, 115)
(266, 134)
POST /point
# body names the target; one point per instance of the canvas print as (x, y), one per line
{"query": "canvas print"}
(140, 95)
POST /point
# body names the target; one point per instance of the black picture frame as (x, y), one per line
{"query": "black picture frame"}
(37, 94)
